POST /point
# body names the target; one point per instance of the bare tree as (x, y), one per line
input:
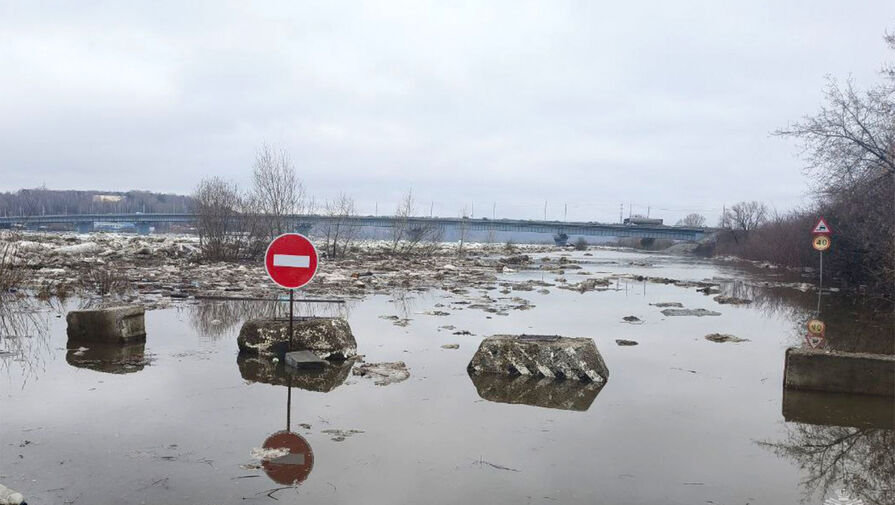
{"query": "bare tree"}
(277, 194)
(743, 217)
(408, 236)
(851, 139)
(692, 220)
(338, 229)
(463, 229)
(12, 275)
(402, 214)
(219, 221)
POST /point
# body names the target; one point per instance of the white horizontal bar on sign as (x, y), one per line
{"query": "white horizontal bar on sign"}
(289, 260)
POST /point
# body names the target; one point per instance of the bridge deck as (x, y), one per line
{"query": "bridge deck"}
(482, 224)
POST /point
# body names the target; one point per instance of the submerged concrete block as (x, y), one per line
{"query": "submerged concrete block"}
(540, 356)
(110, 324)
(543, 392)
(327, 337)
(838, 409)
(304, 359)
(108, 358)
(839, 372)
(258, 369)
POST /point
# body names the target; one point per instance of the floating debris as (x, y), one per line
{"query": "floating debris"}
(690, 312)
(383, 374)
(721, 338)
(341, 435)
(668, 304)
(731, 300)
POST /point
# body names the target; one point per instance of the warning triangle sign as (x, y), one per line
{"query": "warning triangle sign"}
(822, 228)
(814, 341)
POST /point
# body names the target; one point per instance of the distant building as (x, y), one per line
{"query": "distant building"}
(107, 198)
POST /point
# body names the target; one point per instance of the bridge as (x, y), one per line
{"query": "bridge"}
(143, 222)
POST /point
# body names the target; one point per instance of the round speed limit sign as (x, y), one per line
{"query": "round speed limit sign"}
(821, 242)
(816, 327)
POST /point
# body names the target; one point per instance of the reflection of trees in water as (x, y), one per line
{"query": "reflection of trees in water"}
(854, 323)
(215, 318)
(861, 461)
(24, 337)
(404, 301)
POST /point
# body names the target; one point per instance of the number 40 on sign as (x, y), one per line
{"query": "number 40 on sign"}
(821, 242)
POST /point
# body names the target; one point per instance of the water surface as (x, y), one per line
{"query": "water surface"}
(681, 420)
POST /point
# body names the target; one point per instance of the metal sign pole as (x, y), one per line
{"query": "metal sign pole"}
(820, 281)
(291, 298)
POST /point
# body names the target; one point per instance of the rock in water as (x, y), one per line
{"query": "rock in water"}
(540, 356)
(110, 324)
(690, 312)
(327, 337)
(731, 300)
(721, 338)
(10, 497)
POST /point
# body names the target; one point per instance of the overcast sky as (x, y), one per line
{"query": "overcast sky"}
(593, 104)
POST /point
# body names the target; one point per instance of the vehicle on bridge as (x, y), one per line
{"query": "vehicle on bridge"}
(642, 221)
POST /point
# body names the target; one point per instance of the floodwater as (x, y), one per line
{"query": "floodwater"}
(681, 420)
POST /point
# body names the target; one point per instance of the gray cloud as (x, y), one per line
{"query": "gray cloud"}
(666, 104)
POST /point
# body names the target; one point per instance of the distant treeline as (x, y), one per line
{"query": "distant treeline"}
(42, 201)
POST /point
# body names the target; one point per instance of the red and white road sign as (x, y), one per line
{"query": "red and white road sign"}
(822, 228)
(291, 260)
(816, 327)
(815, 341)
(294, 466)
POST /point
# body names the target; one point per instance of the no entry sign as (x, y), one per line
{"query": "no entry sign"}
(291, 260)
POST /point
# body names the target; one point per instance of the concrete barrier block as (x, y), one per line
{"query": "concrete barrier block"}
(543, 392)
(540, 356)
(327, 337)
(110, 324)
(839, 372)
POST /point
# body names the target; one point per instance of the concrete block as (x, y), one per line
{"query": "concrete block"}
(839, 372)
(110, 324)
(327, 337)
(540, 356)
